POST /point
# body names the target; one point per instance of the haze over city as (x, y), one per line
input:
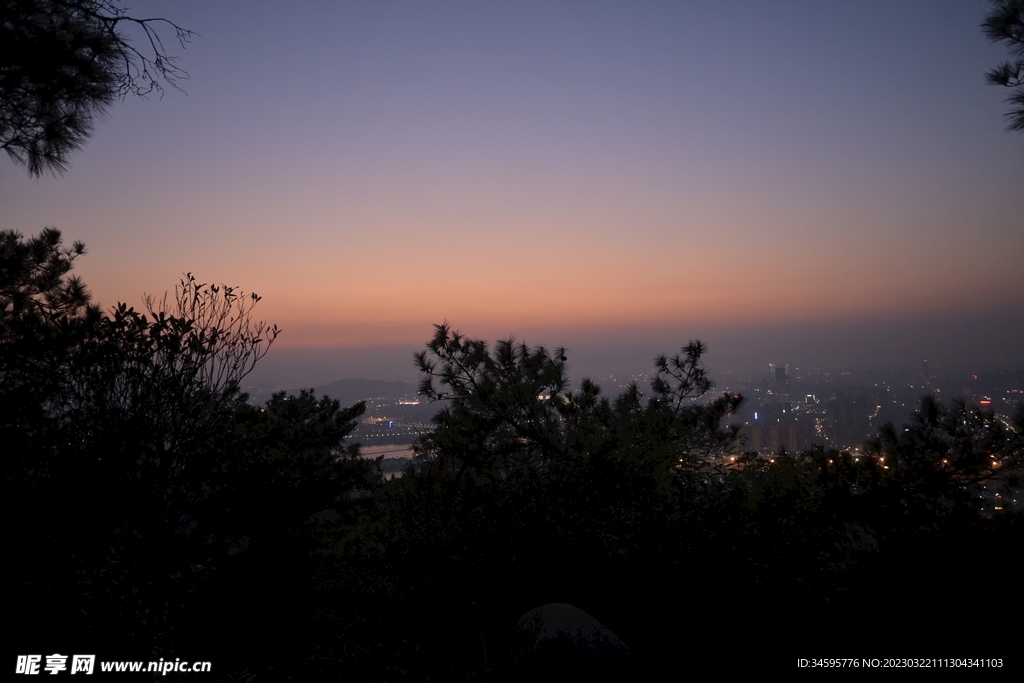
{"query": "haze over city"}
(824, 184)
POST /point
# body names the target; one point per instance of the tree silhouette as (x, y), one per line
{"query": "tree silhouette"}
(117, 431)
(62, 63)
(45, 315)
(1006, 24)
(74, 381)
(32, 276)
(503, 411)
(511, 413)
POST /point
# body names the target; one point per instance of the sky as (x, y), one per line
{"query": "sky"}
(820, 183)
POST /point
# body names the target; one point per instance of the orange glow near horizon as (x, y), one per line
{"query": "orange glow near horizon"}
(610, 181)
(346, 290)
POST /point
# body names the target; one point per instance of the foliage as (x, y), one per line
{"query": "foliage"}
(944, 459)
(530, 491)
(504, 410)
(625, 506)
(44, 316)
(1005, 24)
(32, 276)
(141, 477)
(164, 379)
(62, 64)
(511, 414)
(276, 482)
(961, 441)
(157, 511)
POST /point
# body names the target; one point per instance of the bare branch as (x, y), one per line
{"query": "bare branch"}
(64, 63)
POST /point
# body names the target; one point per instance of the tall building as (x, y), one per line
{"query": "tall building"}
(756, 441)
(781, 379)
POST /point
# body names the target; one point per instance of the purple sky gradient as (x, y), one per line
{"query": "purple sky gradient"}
(812, 182)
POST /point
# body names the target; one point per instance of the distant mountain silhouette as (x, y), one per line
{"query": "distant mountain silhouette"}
(349, 391)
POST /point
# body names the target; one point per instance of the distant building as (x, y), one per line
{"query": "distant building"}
(781, 379)
(756, 439)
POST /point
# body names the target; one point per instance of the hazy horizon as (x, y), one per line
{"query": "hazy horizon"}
(970, 344)
(824, 184)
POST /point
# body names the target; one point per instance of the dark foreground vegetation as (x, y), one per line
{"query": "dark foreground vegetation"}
(154, 513)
